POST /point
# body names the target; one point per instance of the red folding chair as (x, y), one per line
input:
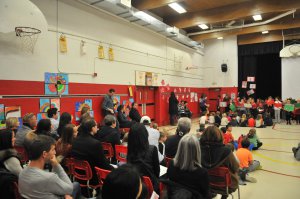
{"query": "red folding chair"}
(69, 164)
(22, 153)
(108, 150)
(148, 183)
(81, 170)
(220, 179)
(101, 173)
(120, 149)
(168, 161)
(124, 130)
(16, 191)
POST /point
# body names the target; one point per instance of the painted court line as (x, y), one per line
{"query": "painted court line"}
(277, 161)
(283, 174)
(276, 150)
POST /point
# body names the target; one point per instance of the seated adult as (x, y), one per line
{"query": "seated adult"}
(8, 155)
(86, 147)
(122, 118)
(109, 133)
(64, 144)
(142, 155)
(123, 182)
(29, 123)
(12, 123)
(64, 119)
(134, 113)
(183, 127)
(44, 127)
(153, 135)
(215, 154)
(34, 182)
(186, 170)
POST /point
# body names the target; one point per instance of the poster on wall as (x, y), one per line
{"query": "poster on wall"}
(250, 92)
(244, 84)
(155, 78)
(196, 97)
(251, 79)
(44, 105)
(192, 96)
(41, 116)
(55, 103)
(140, 78)
(148, 79)
(89, 103)
(117, 101)
(12, 111)
(253, 86)
(2, 113)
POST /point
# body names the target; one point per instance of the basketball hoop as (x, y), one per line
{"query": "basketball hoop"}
(28, 37)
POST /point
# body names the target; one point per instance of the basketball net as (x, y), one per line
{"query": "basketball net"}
(28, 37)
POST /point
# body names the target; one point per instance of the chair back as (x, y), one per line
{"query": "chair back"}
(69, 164)
(16, 191)
(22, 153)
(168, 161)
(101, 173)
(220, 178)
(120, 149)
(81, 170)
(108, 150)
(148, 183)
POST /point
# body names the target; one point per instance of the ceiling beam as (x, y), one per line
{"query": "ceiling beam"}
(152, 4)
(231, 12)
(293, 23)
(258, 38)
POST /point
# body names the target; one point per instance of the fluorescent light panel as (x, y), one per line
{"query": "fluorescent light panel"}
(220, 38)
(257, 17)
(178, 8)
(265, 32)
(203, 26)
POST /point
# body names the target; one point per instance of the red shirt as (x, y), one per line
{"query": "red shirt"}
(228, 137)
(251, 122)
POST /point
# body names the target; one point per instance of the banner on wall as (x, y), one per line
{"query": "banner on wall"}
(140, 77)
(143, 78)
(148, 79)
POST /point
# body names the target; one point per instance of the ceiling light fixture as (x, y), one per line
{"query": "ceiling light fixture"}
(220, 38)
(265, 32)
(257, 17)
(178, 8)
(203, 26)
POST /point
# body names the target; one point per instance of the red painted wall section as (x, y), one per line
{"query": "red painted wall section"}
(12, 87)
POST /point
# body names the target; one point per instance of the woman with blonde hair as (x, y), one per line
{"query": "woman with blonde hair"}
(12, 123)
(186, 170)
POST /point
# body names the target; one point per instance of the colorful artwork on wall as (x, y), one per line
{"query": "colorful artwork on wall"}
(62, 89)
(12, 111)
(50, 89)
(78, 106)
(56, 84)
(2, 113)
(50, 78)
(89, 103)
(42, 116)
(44, 105)
(55, 103)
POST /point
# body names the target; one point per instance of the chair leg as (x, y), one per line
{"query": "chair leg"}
(239, 192)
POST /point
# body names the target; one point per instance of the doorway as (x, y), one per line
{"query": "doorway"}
(145, 98)
(212, 98)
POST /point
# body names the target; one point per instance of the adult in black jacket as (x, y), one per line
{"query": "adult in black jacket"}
(109, 133)
(134, 113)
(86, 147)
(173, 108)
(142, 155)
(123, 121)
(184, 127)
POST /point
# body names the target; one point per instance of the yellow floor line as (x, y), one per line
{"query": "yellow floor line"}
(274, 160)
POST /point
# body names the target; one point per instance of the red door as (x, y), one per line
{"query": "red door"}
(145, 97)
(212, 97)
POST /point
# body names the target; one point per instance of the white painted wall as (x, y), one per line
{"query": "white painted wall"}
(92, 26)
(216, 53)
(290, 81)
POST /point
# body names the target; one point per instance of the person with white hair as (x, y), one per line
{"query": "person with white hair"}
(186, 170)
(183, 127)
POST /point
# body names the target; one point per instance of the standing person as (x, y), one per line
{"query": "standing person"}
(288, 114)
(34, 182)
(277, 109)
(186, 170)
(29, 123)
(203, 105)
(134, 113)
(226, 99)
(173, 108)
(108, 103)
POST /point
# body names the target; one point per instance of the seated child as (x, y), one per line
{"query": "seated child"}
(163, 135)
(268, 120)
(251, 121)
(259, 122)
(224, 120)
(228, 137)
(203, 118)
(218, 118)
(253, 138)
(211, 118)
(244, 121)
(233, 121)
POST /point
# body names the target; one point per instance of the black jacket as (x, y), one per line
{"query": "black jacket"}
(110, 135)
(123, 121)
(197, 180)
(86, 147)
(172, 145)
(134, 115)
(173, 106)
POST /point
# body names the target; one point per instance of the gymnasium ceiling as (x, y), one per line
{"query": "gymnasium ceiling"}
(230, 17)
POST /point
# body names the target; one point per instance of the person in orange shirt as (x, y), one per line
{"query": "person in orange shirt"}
(245, 157)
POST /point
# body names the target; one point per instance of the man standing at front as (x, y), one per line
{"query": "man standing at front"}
(108, 103)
